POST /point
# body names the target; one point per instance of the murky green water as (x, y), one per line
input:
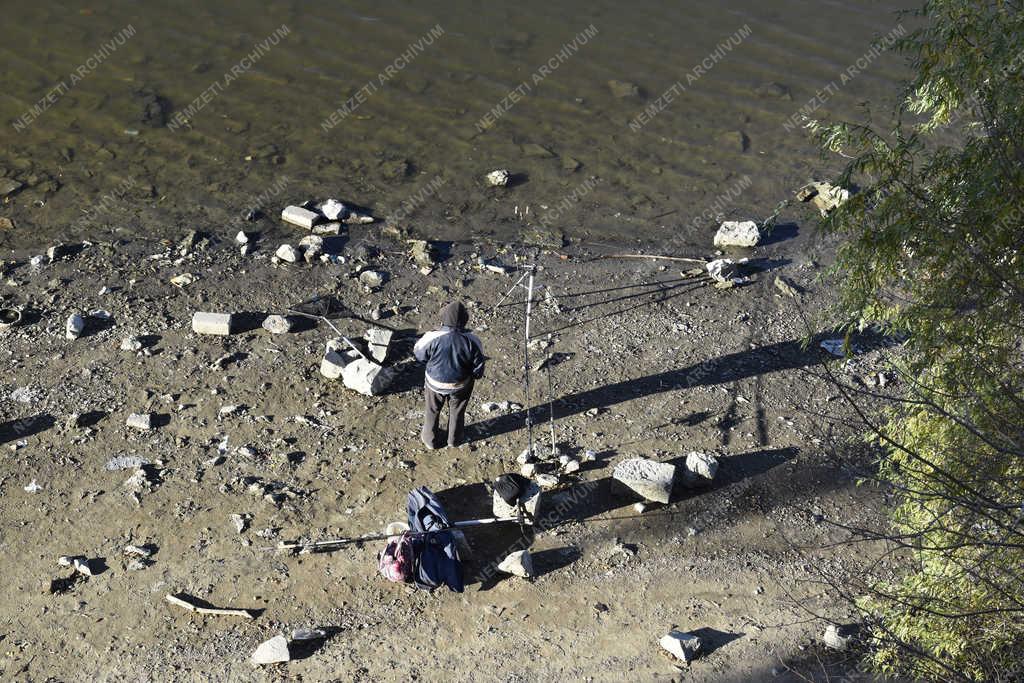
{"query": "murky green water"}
(403, 107)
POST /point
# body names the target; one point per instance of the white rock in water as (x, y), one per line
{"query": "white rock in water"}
(296, 215)
(701, 469)
(277, 324)
(519, 563)
(287, 253)
(241, 237)
(684, 646)
(332, 210)
(738, 234)
(75, 326)
(650, 478)
(498, 178)
(366, 377)
(272, 651)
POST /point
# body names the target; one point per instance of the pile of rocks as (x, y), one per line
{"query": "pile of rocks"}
(358, 370)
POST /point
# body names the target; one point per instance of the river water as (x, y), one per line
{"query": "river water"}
(147, 120)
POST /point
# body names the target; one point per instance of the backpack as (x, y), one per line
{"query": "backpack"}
(395, 562)
(510, 487)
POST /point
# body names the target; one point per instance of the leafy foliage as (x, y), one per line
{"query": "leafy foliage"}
(933, 248)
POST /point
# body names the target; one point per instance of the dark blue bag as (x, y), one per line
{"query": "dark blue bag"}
(437, 559)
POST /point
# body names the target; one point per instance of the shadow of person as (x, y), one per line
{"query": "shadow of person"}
(722, 370)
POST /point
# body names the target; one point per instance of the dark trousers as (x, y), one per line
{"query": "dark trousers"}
(457, 404)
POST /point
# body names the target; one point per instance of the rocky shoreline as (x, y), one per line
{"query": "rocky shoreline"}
(205, 450)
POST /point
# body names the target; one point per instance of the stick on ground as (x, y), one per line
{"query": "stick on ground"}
(191, 607)
(657, 257)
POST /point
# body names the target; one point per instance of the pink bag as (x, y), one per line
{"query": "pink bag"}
(395, 562)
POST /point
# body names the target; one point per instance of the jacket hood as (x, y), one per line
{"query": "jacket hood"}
(454, 315)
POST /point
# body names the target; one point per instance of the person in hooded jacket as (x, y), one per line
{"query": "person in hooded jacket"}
(455, 359)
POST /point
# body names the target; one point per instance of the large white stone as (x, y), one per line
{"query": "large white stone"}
(334, 360)
(737, 234)
(288, 253)
(701, 469)
(277, 324)
(378, 339)
(212, 323)
(366, 377)
(650, 478)
(272, 651)
(497, 178)
(835, 639)
(519, 563)
(75, 326)
(684, 646)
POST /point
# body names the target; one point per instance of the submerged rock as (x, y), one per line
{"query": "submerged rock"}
(498, 178)
(623, 89)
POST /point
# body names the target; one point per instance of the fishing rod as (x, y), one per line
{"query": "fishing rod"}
(314, 546)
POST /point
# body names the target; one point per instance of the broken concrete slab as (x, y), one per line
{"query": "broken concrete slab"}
(272, 651)
(651, 479)
(212, 323)
(141, 421)
(366, 377)
(296, 215)
(684, 646)
(519, 563)
(738, 234)
(334, 360)
(378, 339)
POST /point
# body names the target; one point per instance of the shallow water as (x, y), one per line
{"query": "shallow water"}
(99, 159)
